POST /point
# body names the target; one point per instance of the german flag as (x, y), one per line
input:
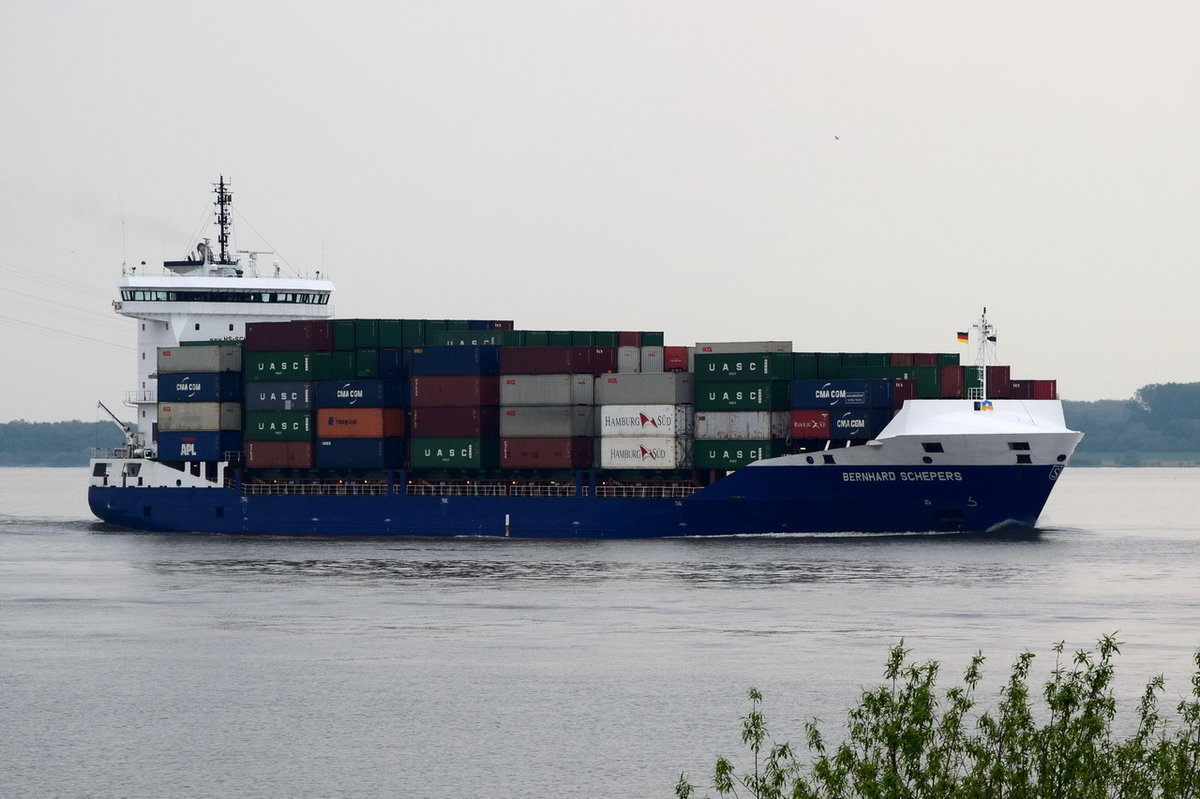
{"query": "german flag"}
(963, 338)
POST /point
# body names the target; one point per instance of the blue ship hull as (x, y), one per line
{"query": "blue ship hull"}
(754, 500)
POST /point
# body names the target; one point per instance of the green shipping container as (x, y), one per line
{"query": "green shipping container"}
(391, 335)
(464, 338)
(278, 426)
(804, 365)
(512, 338)
(366, 333)
(454, 453)
(366, 364)
(728, 455)
(412, 332)
(581, 338)
(652, 338)
(277, 366)
(744, 366)
(763, 395)
(458, 324)
(559, 338)
(948, 359)
(537, 338)
(322, 365)
(605, 338)
(343, 334)
(828, 363)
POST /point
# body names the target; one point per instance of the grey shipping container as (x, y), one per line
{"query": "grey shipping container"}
(722, 347)
(546, 421)
(742, 425)
(179, 416)
(546, 389)
(213, 358)
(664, 388)
(629, 360)
(652, 359)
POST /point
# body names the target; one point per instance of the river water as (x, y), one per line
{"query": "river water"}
(141, 665)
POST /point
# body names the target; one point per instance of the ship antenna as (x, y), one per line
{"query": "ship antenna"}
(987, 335)
(224, 198)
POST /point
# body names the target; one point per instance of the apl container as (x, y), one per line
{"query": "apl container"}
(454, 392)
(743, 366)
(278, 426)
(726, 455)
(453, 453)
(545, 453)
(671, 388)
(276, 366)
(177, 416)
(473, 422)
(206, 358)
(292, 395)
(359, 453)
(546, 421)
(625, 421)
(742, 425)
(772, 395)
(198, 445)
(200, 387)
(547, 389)
(455, 360)
(858, 423)
(644, 452)
(279, 454)
(361, 393)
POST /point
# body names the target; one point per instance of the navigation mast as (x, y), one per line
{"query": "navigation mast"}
(987, 335)
(224, 198)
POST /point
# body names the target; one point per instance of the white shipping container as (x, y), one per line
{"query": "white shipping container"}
(663, 388)
(629, 360)
(546, 421)
(644, 452)
(623, 421)
(652, 359)
(561, 389)
(742, 425)
(724, 347)
(199, 416)
(210, 358)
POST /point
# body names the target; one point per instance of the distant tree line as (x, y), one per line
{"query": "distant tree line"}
(54, 443)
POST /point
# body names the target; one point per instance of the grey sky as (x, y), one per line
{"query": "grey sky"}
(850, 176)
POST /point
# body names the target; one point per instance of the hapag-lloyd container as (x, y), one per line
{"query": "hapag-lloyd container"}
(278, 426)
(361, 393)
(545, 453)
(809, 424)
(626, 421)
(359, 422)
(563, 389)
(546, 421)
(822, 394)
(725, 455)
(203, 358)
(276, 366)
(200, 387)
(177, 416)
(359, 453)
(669, 388)
(279, 454)
(743, 366)
(772, 395)
(198, 445)
(293, 395)
(472, 422)
(453, 453)
(742, 425)
(644, 452)
(298, 335)
(454, 392)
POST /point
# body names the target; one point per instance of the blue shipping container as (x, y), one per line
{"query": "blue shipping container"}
(455, 361)
(198, 446)
(818, 395)
(360, 453)
(361, 394)
(200, 387)
(291, 395)
(393, 364)
(858, 423)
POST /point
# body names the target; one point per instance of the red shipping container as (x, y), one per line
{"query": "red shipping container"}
(901, 359)
(279, 454)
(675, 359)
(557, 360)
(1045, 389)
(395, 422)
(474, 422)
(998, 378)
(953, 379)
(545, 453)
(924, 359)
(629, 339)
(810, 424)
(299, 335)
(349, 423)
(1019, 389)
(502, 324)
(903, 388)
(456, 392)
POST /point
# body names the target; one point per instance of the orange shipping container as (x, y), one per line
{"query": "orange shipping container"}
(279, 454)
(349, 423)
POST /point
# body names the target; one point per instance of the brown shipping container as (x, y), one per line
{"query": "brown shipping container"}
(1045, 389)
(557, 360)
(474, 422)
(952, 381)
(300, 335)
(456, 392)
(395, 422)
(810, 424)
(903, 388)
(900, 359)
(349, 423)
(279, 454)
(998, 378)
(545, 453)
(924, 359)
(1020, 389)
(629, 339)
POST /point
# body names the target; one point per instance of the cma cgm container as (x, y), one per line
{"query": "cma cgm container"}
(300, 335)
(359, 423)
(771, 395)
(198, 445)
(546, 421)
(725, 455)
(361, 393)
(453, 453)
(668, 388)
(359, 453)
(454, 392)
(278, 426)
(624, 421)
(742, 425)
(858, 423)
(467, 422)
(819, 394)
(744, 366)
(577, 389)
(175, 416)
(279, 454)
(545, 453)
(200, 387)
(644, 452)
(455, 360)
(292, 395)
(206, 358)
(276, 366)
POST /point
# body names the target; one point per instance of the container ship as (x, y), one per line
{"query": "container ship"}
(257, 412)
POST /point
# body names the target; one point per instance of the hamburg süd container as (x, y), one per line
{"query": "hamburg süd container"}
(726, 455)
(578, 389)
(454, 392)
(545, 453)
(453, 453)
(279, 454)
(204, 358)
(667, 388)
(178, 416)
(200, 387)
(276, 366)
(278, 426)
(766, 395)
(198, 445)
(294, 395)
(809, 424)
(546, 421)
(742, 425)
(624, 421)
(466, 422)
(643, 452)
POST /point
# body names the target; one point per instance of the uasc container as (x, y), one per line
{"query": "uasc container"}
(293, 395)
(453, 453)
(726, 455)
(744, 366)
(743, 396)
(278, 366)
(278, 426)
